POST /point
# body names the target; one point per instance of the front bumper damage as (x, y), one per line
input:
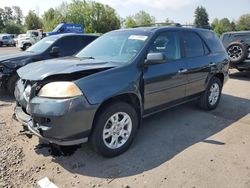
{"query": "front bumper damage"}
(59, 121)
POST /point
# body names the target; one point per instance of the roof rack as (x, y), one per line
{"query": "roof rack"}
(164, 24)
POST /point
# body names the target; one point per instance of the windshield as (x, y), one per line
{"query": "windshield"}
(57, 28)
(43, 44)
(118, 47)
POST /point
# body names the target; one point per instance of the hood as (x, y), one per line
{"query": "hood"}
(66, 65)
(16, 60)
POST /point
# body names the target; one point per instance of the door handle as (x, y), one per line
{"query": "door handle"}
(211, 64)
(181, 71)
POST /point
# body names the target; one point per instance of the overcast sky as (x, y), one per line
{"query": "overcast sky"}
(181, 11)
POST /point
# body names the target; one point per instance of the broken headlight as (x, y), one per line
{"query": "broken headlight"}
(60, 90)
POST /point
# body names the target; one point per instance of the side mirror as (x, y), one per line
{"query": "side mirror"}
(54, 51)
(155, 58)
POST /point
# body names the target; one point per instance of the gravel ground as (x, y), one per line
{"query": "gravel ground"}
(180, 147)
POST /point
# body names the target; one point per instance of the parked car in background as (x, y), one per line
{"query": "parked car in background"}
(31, 37)
(237, 45)
(103, 92)
(6, 40)
(67, 28)
(50, 47)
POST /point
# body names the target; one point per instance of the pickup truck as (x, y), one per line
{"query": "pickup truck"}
(31, 37)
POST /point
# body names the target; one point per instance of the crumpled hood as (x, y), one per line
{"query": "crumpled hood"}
(15, 60)
(66, 65)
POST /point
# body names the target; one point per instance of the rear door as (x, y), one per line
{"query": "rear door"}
(167, 81)
(199, 61)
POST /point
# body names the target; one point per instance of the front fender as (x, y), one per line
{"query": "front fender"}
(104, 85)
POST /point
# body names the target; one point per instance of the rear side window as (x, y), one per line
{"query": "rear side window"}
(213, 42)
(193, 44)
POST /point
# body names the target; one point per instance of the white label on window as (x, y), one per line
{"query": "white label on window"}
(49, 42)
(138, 37)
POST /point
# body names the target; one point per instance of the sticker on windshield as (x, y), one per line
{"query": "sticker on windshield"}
(49, 42)
(138, 37)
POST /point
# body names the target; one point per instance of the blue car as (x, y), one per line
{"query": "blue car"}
(67, 28)
(6, 39)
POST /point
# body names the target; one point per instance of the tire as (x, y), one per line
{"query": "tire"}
(1, 44)
(26, 46)
(12, 84)
(237, 52)
(103, 122)
(209, 100)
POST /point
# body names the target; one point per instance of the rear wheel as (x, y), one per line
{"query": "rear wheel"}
(1, 44)
(114, 129)
(210, 99)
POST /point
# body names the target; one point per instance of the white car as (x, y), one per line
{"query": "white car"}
(31, 37)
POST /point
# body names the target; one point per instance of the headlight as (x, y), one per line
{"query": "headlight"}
(59, 90)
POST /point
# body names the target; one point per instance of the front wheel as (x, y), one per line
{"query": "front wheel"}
(26, 46)
(114, 129)
(210, 99)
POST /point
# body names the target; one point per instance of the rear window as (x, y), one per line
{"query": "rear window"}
(213, 42)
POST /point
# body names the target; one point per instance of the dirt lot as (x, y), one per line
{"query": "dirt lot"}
(181, 147)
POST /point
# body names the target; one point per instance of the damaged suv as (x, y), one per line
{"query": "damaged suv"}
(103, 92)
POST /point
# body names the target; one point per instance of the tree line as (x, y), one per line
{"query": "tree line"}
(99, 18)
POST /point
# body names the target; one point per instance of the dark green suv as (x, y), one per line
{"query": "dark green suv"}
(103, 92)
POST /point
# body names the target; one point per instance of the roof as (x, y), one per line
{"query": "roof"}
(72, 34)
(159, 28)
(237, 32)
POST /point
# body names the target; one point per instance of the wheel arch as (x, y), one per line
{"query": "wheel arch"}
(130, 98)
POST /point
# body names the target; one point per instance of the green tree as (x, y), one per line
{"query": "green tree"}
(140, 18)
(104, 18)
(233, 26)
(129, 22)
(18, 15)
(143, 18)
(223, 25)
(50, 20)
(12, 28)
(1, 19)
(95, 17)
(7, 14)
(201, 18)
(243, 22)
(32, 21)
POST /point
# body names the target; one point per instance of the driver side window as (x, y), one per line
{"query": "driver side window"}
(167, 43)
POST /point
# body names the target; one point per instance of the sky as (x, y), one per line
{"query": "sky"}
(180, 11)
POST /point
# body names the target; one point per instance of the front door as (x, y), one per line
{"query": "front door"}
(167, 81)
